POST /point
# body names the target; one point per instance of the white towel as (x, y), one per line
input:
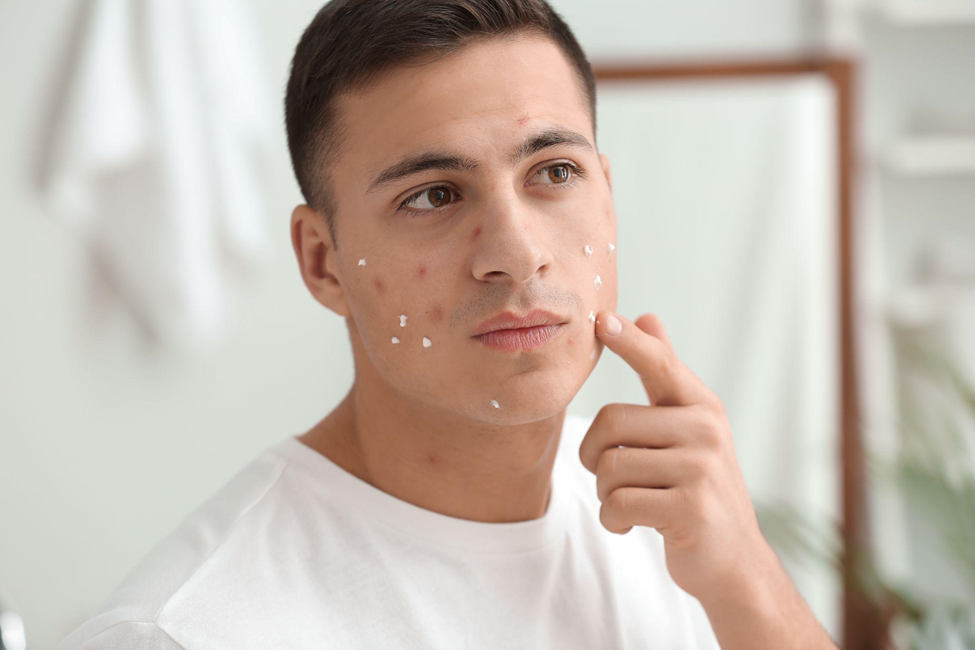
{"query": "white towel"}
(152, 153)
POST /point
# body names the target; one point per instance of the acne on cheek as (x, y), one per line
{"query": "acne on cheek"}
(434, 311)
(380, 287)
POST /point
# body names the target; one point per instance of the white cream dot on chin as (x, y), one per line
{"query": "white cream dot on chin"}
(395, 340)
(362, 262)
(427, 342)
(592, 317)
(495, 404)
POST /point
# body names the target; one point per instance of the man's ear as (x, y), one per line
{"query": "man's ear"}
(317, 261)
(609, 176)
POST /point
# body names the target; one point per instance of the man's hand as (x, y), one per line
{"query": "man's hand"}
(676, 470)
(672, 466)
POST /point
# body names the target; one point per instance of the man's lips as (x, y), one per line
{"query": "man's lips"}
(508, 320)
(509, 332)
(525, 338)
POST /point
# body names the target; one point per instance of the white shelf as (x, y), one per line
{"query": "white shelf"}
(929, 12)
(931, 155)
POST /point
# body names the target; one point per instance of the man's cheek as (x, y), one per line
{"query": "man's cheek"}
(597, 265)
(404, 310)
(596, 279)
(435, 313)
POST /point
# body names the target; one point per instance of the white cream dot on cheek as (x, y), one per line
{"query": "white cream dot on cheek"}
(427, 342)
(611, 248)
(362, 262)
(495, 404)
(395, 340)
(402, 320)
(588, 250)
(592, 317)
(598, 282)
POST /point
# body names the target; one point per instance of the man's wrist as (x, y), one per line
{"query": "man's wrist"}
(752, 586)
(760, 607)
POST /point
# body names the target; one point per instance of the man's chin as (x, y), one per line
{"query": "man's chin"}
(533, 395)
(517, 414)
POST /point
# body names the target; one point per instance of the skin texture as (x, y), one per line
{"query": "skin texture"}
(418, 422)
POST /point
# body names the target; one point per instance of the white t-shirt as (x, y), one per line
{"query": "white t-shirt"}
(295, 552)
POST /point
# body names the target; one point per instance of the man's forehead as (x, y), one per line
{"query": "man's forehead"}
(431, 116)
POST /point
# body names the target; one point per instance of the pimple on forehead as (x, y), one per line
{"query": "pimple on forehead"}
(476, 234)
(521, 120)
(421, 271)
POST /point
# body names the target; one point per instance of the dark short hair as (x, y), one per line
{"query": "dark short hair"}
(351, 44)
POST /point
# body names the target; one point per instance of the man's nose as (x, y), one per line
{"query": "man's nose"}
(514, 242)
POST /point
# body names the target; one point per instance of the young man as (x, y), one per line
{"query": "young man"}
(460, 219)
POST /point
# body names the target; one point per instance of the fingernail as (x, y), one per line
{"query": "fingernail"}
(613, 325)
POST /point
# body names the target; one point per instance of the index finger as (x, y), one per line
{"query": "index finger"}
(667, 380)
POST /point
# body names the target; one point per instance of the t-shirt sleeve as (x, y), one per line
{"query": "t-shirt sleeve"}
(127, 635)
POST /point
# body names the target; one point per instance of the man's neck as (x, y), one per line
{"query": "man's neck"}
(440, 461)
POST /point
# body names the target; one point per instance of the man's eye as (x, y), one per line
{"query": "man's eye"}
(438, 197)
(435, 197)
(559, 173)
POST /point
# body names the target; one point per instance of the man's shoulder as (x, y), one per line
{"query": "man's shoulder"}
(132, 611)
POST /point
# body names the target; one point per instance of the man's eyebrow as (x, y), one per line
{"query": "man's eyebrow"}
(419, 162)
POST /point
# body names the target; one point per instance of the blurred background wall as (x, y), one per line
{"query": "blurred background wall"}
(108, 438)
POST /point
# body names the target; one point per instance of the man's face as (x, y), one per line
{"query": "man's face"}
(515, 234)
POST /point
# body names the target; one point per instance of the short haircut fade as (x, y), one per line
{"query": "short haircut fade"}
(351, 44)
